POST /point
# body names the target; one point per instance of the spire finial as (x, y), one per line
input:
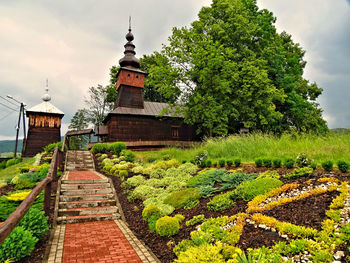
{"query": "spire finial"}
(129, 23)
(46, 97)
(47, 85)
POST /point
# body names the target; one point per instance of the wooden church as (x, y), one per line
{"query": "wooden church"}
(44, 126)
(141, 123)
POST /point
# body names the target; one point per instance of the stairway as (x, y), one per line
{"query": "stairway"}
(85, 195)
(79, 161)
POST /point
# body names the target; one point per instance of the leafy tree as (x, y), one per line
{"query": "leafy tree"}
(231, 69)
(78, 122)
(97, 104)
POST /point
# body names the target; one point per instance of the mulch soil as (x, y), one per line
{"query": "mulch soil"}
(251, 237)
(6, 189)
(308, 212)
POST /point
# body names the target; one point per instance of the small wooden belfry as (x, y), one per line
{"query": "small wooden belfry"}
(44, 126)
(141, 123)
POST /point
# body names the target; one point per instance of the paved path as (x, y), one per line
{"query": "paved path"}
(104, 241)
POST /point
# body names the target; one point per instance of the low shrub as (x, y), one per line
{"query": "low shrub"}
(51, 147)
(180, 218)
(289, 163)
(221, 202)
(313, 166)
(302, 160)
(269, 174)
(249, 189)
(195, 220)
(123, 174)
(182, 246)
(36, 222)
(208, 163)
(157, 173)
(229, 163)
(206, 178)
(207, 190)
(17, 245)
(100, 148)
(343, 166)
(327, 165)
(3, 165)
(277, 163)
(203, 164)
(237, 162)
(230, 181)
(129, 156)
(204, 253)
(117, 147)
(13, 161)
(222, 163)
(258, 162)
(151, 211)
(267, 163)
(167, 226)
(300, 172)
(182, 198)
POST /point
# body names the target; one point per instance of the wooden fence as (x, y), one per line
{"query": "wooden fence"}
(13, 220)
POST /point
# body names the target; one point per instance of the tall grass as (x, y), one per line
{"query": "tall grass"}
(13, 170)
(250, 147)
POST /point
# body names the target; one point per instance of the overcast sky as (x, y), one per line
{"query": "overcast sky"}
(74, 43)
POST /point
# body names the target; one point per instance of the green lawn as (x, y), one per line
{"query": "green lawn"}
(13, 170)
(250, 147)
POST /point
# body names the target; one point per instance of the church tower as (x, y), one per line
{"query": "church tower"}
(130, 79)
(44, 126)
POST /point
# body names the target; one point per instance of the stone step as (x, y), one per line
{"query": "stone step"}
(74, 198)
(87, 218)
(80, 204)
(87, 211)
(89, 181)
(84, 186)
(86, 191)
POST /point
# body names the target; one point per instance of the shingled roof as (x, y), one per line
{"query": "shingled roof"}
(150, 109)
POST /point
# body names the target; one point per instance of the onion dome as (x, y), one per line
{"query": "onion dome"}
(129, 60)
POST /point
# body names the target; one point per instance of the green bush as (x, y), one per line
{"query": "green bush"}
(208, 163)
(100, 148)
(237, 162)
(209, 177)
(13, 161)
(117, 147)
(300, 172)
(230, 181)
(17, 245)
(182, 198)
(221, 202)
(343, 166)
(215, 164)
(129, 156)
(123, 174)
(151, 211)
(167, 226)
(267, 163)
(289, 163)
(327, 165)
(3, 165)
(249, 189)
(207, 190)
(313, 166)
(157, 173)
(222, 163)
(195, 220)
(182, 246)
(36, 222)
(229, 163)
(51, 147)
(180, 218)
(204, 253)
(277, 163)
(258, 162)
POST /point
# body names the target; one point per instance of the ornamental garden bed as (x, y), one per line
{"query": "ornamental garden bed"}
(184, 213)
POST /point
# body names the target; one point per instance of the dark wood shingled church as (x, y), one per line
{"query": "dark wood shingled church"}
(137, 122)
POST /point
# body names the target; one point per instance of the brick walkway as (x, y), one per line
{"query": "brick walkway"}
(98, 241)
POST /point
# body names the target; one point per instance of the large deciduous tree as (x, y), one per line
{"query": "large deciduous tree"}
(78, 122)
(231, 69)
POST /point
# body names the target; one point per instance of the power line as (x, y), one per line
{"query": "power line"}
(4, 117)
(8, 101)
(7, 107)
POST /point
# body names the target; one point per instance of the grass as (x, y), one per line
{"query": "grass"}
(11, 171)
(332, 147)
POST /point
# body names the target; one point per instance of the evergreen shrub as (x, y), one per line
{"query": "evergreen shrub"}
(182, 198)
(167, 226)
(277, 163)
(258, 162)
(117, 147)
(327, 165)
(222, 163)
(289, 163)
(221, 202)
(17, 245)
(208, 163)
(36, 222)
(100, 148)
(343, 166)
(237, 162)
(229, 163)
(267, 163)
